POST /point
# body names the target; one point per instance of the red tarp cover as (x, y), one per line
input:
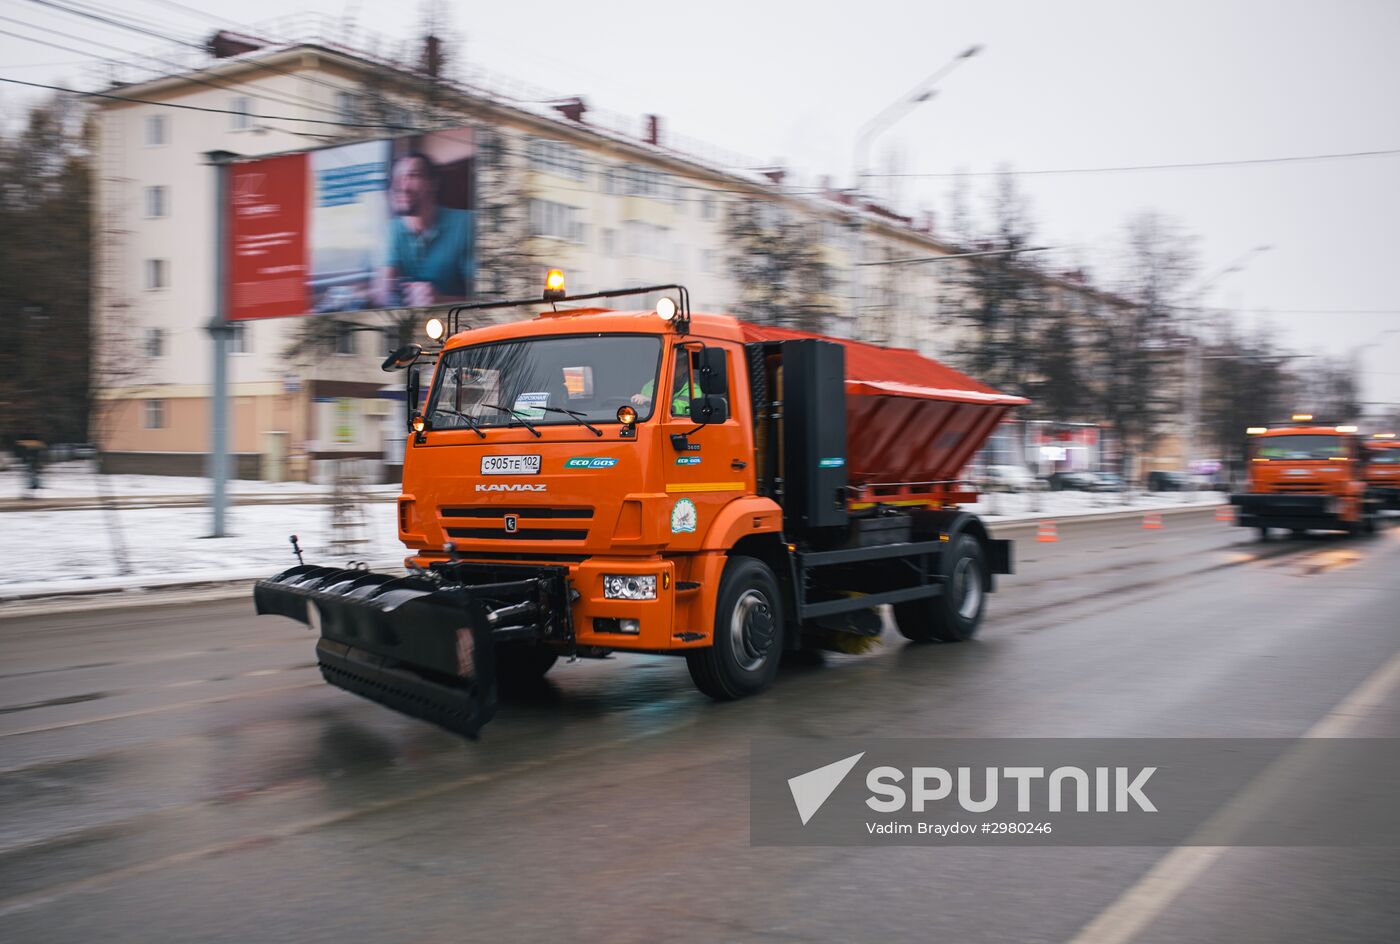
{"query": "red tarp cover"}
(911, 419)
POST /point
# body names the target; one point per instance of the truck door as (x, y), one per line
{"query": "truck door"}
(705, 467)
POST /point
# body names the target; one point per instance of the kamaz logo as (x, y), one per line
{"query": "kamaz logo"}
(513, 487)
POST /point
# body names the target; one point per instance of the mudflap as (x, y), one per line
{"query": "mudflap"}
(421, 644)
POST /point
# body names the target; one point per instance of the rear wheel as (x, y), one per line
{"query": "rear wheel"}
(955, 614)
(1263, 534)
(743, 657)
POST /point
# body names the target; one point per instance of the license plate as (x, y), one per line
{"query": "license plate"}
(510, 465)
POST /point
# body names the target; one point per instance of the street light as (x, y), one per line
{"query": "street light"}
(920, 93)
(896, 110)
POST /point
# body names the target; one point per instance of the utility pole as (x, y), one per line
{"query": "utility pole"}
(221, 332)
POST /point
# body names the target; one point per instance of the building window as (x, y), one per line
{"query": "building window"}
(556, 220)
(555, 157)
(155, 342)
(707, 207)
(643, 182)
(157, 202)
(344, 338)
(157, 131)
(609, 242)
(347, 106)
(708, 263)
(154, 414)
(238, 342)
(646, 239)
(157, 273)
(242, 117)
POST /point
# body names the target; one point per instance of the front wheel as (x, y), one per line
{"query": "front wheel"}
(743, 656)
(955, 614)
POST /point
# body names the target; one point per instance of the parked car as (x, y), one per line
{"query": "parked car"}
(1108, 482)
(1168, 482)
(1007, 478)
(1071, 481)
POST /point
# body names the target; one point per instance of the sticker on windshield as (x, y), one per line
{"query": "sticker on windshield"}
(683, 517)
(531, 404)
(590, 462)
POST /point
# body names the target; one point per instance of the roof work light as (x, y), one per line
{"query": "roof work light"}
(554, 285)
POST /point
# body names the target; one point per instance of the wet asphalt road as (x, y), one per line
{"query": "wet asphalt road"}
(181, 773)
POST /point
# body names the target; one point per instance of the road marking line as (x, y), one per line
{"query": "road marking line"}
(1140, 905)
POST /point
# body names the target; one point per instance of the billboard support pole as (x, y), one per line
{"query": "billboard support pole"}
(221, 332)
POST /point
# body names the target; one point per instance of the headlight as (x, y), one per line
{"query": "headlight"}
(629, 586)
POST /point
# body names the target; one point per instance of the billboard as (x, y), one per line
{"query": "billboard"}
(376, 224)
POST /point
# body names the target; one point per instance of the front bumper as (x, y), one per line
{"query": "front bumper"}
(1283, 510)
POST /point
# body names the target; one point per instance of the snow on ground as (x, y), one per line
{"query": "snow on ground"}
(67, 551)
(71, 551)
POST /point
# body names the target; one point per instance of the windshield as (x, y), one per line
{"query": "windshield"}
(1301, 447)
(544, 380)
(1385, 457)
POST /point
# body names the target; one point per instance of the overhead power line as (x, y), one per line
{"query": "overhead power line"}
(1187, 165)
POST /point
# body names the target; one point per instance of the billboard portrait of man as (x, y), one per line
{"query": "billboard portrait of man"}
(430, 256)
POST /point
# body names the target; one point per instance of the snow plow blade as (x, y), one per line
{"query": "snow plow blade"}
(423, 645)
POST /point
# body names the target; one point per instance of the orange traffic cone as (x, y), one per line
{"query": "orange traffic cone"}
(1152, 520)
(1225, 513)
(1046, 533)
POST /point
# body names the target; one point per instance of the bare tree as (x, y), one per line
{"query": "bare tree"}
(776, 263)
(1138, 338)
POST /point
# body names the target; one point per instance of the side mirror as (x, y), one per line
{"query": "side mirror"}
(714, 371)
(401, 358)
(708, 409)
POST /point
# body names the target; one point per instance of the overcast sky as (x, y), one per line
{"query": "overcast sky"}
(1056, 85)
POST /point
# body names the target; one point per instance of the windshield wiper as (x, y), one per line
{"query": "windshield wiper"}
(471, 423)
(515, 413)
(578, 417)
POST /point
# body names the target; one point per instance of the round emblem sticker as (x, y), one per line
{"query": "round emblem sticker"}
(683, 516)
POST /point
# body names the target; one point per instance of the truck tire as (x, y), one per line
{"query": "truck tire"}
(519, 665)
(747, 646)
(955, 614)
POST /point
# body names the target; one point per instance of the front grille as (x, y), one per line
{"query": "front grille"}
(524, 534)
(523, 511)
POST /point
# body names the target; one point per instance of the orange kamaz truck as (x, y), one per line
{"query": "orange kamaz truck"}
(1383, 469)
(592, 481)
(1305, 476)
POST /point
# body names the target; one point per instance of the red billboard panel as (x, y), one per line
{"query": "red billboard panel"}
(267, 238)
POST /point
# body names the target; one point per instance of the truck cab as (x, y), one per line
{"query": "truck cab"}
(1382, 469)
(1305, 476)
(602, 442)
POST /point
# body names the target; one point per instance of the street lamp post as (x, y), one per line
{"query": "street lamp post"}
(896, 110)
